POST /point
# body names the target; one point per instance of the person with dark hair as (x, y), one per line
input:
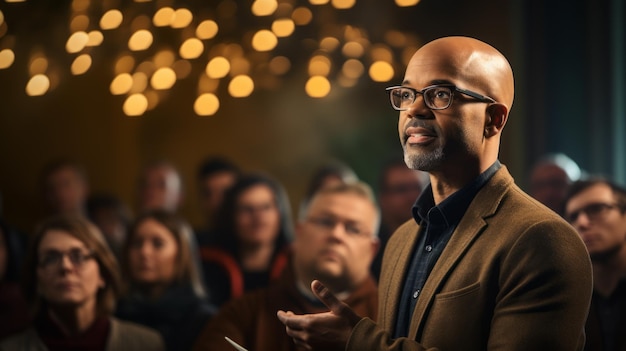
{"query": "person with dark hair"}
(215, 176)
(481, 265)
(550, 177)
(597, 209)
(14, 314)
(112, 217)
(165, 292)
(335, 242)
(255, 228)
(65, 187)
(71, 281)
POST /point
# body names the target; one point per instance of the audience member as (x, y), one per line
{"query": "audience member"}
(335, 242)
(71, 280)
(329, 174)
(65, 187)
(255, 229)
(597, 209)
(398, 188)
(215, 176)
(550, 177)
(165, 285)
(482, 266)
(160, 187)
(112, 217)
(14, 315)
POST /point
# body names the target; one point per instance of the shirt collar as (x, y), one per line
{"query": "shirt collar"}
(451, 210)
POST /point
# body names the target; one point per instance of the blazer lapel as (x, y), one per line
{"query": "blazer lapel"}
(472, 224)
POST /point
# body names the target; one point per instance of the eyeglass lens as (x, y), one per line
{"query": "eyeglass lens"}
(52, 258)
(436, 97)
(592, 211)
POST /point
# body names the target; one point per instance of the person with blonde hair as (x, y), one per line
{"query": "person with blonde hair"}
(71, 280)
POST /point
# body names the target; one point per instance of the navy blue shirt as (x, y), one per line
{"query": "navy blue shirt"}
(437, 223)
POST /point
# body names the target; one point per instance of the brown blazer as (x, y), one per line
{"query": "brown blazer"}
(514, 276)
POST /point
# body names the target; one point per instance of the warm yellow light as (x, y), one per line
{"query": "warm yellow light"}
(283, 27)
(111, 19)
(206, 105)
(164, 78)
(38, 65)
(319, 2)
(1, 17)
(319, 66)
(140, 82)
(80, 5)
(95, 38)
(381, 53)
(182, 18)
(135, 105)
(207, 29)
(406, 3)
(279, 65)
(164, 58)
(329, 44)
(121, 84)
(381, 71)
(140, 40)
(343, 4)
(302, 16)
(153, 99)
(264, 40)
(7, 57)
(76, 42)
(317, 87)
(163, 17)
(14, 0)
(218, 67)
(182, 68)
(395, 38)
(352, 49)
(38, 85)
(241, 86)
(124, 64)
(79, 23)
(352, 68)
(264, 7)
(81, 64)
(346, 82)
(192, 48)
(206, 84)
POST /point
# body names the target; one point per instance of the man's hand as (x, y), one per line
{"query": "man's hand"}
(321, 331)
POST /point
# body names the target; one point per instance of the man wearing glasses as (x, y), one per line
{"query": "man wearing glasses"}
(597, 209)
(482, 265)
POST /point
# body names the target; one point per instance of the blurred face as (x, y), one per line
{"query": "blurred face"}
(401, 188)
(212, 190)
(160, 189)
(336, 242)
(66, 191)
(67, 273)
(153, 254)
(257, 219)
(548, 184)
(598, 220)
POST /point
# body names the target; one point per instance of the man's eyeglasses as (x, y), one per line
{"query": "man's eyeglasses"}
(329, 224)
(593, 211)
(436, 97)
(53, 258)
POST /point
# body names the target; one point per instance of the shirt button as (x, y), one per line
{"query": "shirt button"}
(429, 248)
(416, 294)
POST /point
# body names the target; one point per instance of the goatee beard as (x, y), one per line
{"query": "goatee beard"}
(424, 162)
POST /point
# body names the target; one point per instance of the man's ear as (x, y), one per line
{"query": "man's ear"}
(496, 119)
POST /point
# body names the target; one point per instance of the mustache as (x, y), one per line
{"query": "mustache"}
(419, 123)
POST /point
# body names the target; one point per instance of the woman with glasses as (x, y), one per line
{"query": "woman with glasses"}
(159, 261)
(71, 280)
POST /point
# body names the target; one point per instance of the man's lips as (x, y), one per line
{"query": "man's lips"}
(419, 135)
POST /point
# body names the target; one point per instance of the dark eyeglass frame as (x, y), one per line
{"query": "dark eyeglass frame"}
(592, 211)
(329, 223)
(453, 88)
(53, 258)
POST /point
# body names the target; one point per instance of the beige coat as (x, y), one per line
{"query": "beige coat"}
(514, 276)
(125, 336)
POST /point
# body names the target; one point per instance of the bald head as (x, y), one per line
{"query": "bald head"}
(470, 62)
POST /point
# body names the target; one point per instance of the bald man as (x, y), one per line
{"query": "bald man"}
(482, 265)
